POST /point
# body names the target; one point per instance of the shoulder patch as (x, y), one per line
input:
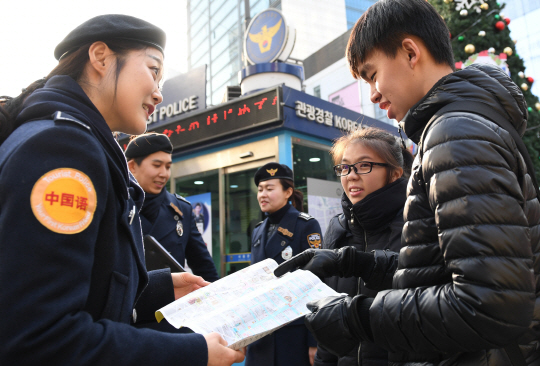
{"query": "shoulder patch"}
(305, 216)
(64, 201)
(182, 198)
(259, 223)
(314, 240)
(64, 117)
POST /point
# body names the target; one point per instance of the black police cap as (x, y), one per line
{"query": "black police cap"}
(273, 171)
(147, 144)
(112, 26)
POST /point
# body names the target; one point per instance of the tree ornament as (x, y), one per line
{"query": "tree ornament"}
(497, 16)
(501, 14)
(537, 106)
(515, 41)
(491, 50)
(461, 38)
(484, 6)
(507, 20)
(469, 48)
(482, 33)
(447, 1)
(483, 57)
(529, 109)
(463, 12)
(500, 25)
(469, 5)
(508, 51)
(524, 86)
(530, 79)
(521, 74)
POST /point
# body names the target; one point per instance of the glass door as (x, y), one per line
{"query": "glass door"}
(242, 213)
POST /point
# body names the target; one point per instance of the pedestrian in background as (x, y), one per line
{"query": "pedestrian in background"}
(71, 252)
(285, 232)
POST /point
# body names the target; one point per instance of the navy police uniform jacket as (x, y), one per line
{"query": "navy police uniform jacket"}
(289, 345)
(71, 253)
(178, 233)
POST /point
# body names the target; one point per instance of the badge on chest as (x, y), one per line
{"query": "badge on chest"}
(179, 228)
(287, 253)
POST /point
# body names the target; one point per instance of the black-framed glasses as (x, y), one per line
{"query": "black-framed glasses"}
(362, 167)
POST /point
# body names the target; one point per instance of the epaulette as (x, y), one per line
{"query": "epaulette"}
(182, 198)
(305, 216)
(259, 223)
(64, 117)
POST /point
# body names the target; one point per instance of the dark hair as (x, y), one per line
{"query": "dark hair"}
(387, 22)
(383, 143)
(72, 65)
(297, 197)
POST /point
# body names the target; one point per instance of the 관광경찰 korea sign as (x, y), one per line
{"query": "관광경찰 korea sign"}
(223, 120)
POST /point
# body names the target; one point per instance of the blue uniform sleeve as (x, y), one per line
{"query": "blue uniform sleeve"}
(197, 255)
(45, 276)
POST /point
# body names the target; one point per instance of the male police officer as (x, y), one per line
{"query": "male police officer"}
(167, 217)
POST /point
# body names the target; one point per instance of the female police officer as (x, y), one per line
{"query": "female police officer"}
(71, 255)
(285, 232)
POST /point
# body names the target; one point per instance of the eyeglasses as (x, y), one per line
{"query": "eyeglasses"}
(362, 167)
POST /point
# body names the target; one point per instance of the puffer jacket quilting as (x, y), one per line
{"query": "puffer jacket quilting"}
(468, 279)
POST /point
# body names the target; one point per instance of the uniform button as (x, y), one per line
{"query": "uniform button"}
(176, 217)
(134, 316)
(283, 243)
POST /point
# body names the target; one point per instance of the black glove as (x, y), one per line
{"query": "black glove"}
(339, 323)
(343, 262)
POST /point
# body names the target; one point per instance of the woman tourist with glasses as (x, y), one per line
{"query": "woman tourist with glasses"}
(373, 167)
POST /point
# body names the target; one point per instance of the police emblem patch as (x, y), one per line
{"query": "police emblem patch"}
(64, 201)
(314, 240)
(287, 253)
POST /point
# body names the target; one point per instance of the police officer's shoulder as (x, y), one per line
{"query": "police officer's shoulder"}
(259, 224)
(182, 198)
(61, 117)
(305, 216)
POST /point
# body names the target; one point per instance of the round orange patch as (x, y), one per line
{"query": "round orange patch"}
(64, 201)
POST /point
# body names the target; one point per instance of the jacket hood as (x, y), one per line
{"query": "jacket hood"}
(487, 84)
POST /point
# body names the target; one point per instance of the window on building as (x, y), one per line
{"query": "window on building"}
(317, 91)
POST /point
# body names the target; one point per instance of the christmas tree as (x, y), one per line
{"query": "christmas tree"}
(479, 33)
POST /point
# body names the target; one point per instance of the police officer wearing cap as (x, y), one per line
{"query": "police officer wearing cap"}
(71, 251)
(167, 217)
(285, 232)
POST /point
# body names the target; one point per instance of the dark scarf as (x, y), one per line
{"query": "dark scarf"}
(152, 204)
(62, 93)
(377, 209)
(275, 217)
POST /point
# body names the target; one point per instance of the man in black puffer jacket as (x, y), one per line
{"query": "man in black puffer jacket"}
(466, 290)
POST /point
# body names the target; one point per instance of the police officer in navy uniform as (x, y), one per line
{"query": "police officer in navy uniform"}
(285, 232)
(167, 217)
(71, 252)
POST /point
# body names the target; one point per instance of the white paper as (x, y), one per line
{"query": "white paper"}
(248, 304)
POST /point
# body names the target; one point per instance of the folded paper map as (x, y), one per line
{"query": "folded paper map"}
(248, 304)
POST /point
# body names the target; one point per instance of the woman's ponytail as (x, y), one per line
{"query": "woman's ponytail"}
(297, 197)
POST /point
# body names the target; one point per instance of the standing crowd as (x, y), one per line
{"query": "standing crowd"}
(436, 257)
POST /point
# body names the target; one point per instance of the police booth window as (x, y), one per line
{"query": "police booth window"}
(314, 177)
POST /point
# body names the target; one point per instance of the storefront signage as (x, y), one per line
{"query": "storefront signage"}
(182, 95)
(319, 115)
(226, 119)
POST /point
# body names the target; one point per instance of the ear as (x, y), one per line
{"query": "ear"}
(132, 165)
(413, 51)
(100, 61)
(398, 173)
(289, 192)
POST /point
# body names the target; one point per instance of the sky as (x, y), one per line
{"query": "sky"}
(31, 29)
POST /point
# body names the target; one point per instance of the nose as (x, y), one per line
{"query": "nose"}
(353, 175)
(157, 96)
(375, 96)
